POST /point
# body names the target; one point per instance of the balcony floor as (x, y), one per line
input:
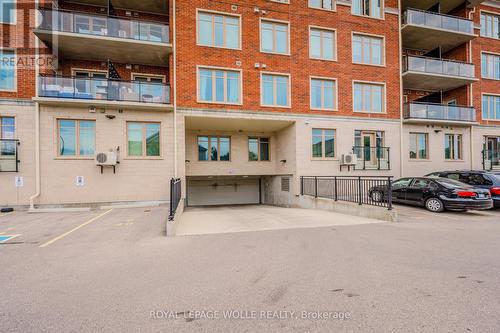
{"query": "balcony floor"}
(433, 82)
(428, 38)
(122, 105)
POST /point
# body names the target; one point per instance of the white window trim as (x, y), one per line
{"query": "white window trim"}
(336, 97)
(240, 41)
(15, 123)
(15, 69)
(383, 57)
(198, 100)
(14, 22)
(488, 53)
(283, 2)
(334, 9)
(289, 97)
(482, 111)
(487, 12)
(288, 36)
(156, 76)
(323, 157)
(90, 71)
(384, 96)
(335, 51)
(382, 9)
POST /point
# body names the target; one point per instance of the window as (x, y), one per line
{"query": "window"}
(7, 11)
(143, 139)
(258, 149)
(369, 97)
(7, 70)
(323, 143)
(93, 25)
(421, 183)
(219, 86)
(322, 44)
(275, 90)
(490, 25)
(323, 94)
(453, 146)
(372, 8)
(214, 148)
(149, 87)
(401, 183)
(322, 4)
(367, 50)
(274, 37)
(90, 82)
(76, 137)
(490, 66)
(491, 107)
(7, 131)
(419, 143)
(218, 30)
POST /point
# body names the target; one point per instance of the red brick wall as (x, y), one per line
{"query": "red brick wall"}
(298, 64)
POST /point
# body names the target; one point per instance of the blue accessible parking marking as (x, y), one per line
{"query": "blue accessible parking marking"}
(5, 238)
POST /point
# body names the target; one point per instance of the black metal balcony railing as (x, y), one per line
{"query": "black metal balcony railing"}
(9, 155)
(491, 159)
(439, 21)
(372, 158)
(438, 66)
(431, 111)
(103, 89)
(107, 26)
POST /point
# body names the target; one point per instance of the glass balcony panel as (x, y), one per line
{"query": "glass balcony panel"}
(418, 110)
(439, 21)
(439, 66)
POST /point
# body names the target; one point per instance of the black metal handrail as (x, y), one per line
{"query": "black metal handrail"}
(356, 189)
(175, 196)
(365, 154)
(9, 155)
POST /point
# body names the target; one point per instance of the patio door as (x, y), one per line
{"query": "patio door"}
(369, 152)
(493, 151)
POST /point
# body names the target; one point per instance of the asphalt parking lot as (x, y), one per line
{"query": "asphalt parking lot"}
(115, 271)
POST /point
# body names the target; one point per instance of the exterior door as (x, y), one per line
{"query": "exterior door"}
(493, 151)
(369, 153)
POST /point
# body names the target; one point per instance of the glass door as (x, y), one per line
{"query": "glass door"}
(368, 148)
(493, 151)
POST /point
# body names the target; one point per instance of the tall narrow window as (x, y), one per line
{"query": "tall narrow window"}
(323, 94)
(274, 37)
(490, 25)
(490, 66)
(258, 149)
(219, 86)
(367, 50)
(453, 146)
(7, 70)
(372, 8)
(76, 137)
(323, 143)
(419, 143)
(8, 11)
(7, 135)
(322, 4)
(491, 107)
(275, 90)
(214, 148)
(369, 97)
(322, 44)
(218, 30)
(143, 139)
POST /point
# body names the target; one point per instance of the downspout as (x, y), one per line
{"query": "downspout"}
(174, 86)
(471, 100)
(401, 129)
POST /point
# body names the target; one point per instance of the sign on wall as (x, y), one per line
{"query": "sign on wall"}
(19, 181)
(80, 181)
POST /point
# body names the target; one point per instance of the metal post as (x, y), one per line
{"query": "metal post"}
(389, 193)
(359, 191)
(171, 197)
(301, 185)
(315, 187)
(378, 151)
(388, 158)
(336, 193)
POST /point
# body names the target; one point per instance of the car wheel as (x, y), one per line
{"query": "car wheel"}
(377, 196)
(434, 205)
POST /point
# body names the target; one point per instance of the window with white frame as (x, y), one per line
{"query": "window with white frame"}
(76, 137)
(322, 44)
(322, 4)
(367, 50)
(453, 146)
(7, 133)
(219, 86)
(490, 66)
(369, 97)
(490, 25)
(8, 11)
(491, 107)
(275, 90)
(143, 139)
(7, 70)
(214, 148)
(218, 30)
(323, 143)
(323, 94)
(372, 8)
(419, 146)
(274, 37)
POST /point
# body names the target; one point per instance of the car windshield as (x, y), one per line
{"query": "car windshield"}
(450, 183)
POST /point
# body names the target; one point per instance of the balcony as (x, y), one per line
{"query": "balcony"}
(148, 6)
(105, 92)
(9, 155)
(427, 30)
(372, 158)
(86, 36)
(432, 74)
(417, 112)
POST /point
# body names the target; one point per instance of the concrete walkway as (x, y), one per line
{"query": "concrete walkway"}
(227, 219)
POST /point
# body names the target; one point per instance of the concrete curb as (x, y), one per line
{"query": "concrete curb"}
(134, 205)
(171, 226)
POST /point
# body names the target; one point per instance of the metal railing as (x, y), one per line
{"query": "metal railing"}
(100, 25)
(439, 21)
(491, 159)
(103, 89)
(419, 110)
(9, 155)
(356, 189)
(372, 158)
(412, 63)
(175, 196)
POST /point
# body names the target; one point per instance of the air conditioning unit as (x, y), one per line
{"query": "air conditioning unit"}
(349, 159)
(106, 158)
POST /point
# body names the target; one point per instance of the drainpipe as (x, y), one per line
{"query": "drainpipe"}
(401, 129)
(471, 99)
(174, 86)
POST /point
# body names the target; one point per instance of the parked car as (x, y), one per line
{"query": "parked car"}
(435, 194)
(483, 179)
